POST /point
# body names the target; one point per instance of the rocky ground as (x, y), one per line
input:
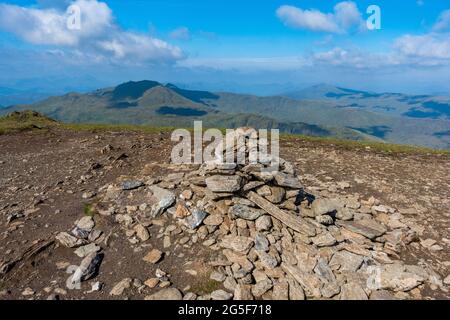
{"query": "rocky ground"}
(104, 215)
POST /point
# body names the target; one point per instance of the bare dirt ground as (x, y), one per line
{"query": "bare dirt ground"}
(44, 175)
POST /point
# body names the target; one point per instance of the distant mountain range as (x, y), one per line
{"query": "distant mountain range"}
(321, 110)
(9, 96)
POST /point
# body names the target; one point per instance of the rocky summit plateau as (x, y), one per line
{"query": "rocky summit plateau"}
(104, 214)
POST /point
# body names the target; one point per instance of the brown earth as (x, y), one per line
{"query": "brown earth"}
(46, 173)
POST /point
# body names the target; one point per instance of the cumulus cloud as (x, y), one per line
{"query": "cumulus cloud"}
(98, 32)
(443, 22)
(429, 47)
(345, 17)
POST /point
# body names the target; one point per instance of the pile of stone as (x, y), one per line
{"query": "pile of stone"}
(268, 237)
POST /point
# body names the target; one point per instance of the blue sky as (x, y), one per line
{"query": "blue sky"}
(263, 47)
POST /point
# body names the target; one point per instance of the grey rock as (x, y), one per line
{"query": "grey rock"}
(120, 287)
(447, 280)
(261, 242)
(239, 259)
(395, 277)
(263, 223)
(224, 183)
(165, 199)
(196, 218)
(325, 220)
(68, 240)
(296, 292)
(87, 250)
(166, 294)
(287, 180)
(245, 212)
(230, 284)
(86, 223)
(261, 287)
(344, 214)
(268, 261)
(237, 243)
(221, 295)
(330, 289)
(132, 185)
(346, 261)
(81, 233)
(190, 296)
(353, 291)
(213, 220)
(218, 276)
(252, 185)
(277, 194)
(309, 282)
(324, 271)
(324, 240)
(281, 290)
(366, 227)
(243, 292)
(88, 268)
(94, 235)
(323, 206)
(142, 232)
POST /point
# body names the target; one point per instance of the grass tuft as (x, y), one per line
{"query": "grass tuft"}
(89, 210)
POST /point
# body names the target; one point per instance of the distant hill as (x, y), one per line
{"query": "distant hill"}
(394, 104)
(321, 110)
(10, 96)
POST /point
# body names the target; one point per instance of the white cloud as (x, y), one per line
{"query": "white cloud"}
(307, 19)
(443, 22)
(98, 32)
(429, 47)
(181, 33)
(345, 16)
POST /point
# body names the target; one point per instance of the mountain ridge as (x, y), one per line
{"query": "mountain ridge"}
(335, 111)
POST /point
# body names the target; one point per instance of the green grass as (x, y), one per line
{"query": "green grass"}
(204, 285)
(30, 120)
(89, 210)
(376, 146)
(113, 127)
(22, 121)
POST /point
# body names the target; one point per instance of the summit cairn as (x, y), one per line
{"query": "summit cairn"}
(245, 218)
(243, 170)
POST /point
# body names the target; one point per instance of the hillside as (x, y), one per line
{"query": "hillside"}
(321, 110)
(81, 200)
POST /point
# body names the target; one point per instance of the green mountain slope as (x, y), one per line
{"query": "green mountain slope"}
(324, 113)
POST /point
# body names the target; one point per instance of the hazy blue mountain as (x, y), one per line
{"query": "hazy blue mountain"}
(9, 96)
(320, 110)
(392, 104)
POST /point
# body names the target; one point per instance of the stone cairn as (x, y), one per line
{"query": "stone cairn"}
(268, 238)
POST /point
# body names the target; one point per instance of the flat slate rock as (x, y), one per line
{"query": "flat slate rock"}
(287, 180)
(166, 294)
(246, 212)
(224, 183)
(131, 185)
(368, 228)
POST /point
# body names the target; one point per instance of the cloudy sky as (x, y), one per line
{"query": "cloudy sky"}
(257, 46)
